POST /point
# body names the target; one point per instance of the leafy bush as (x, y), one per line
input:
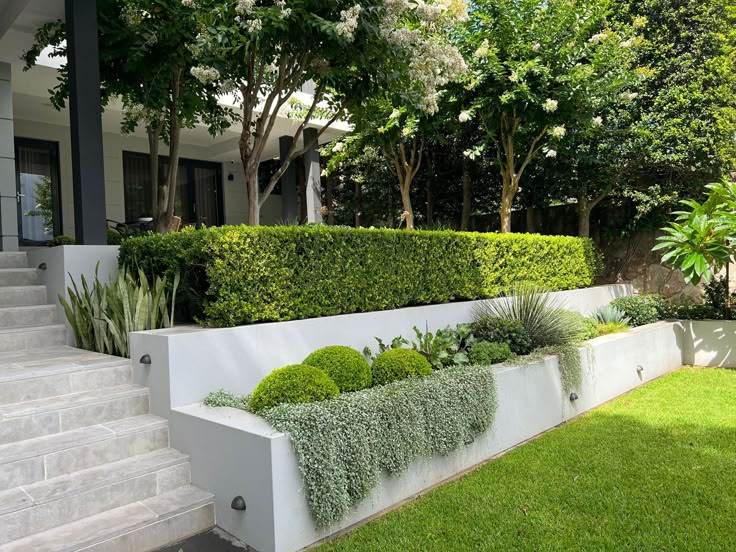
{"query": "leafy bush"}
(446, 347)
(398, 364)
(345, 366)
(642, 309)
(499, 330)
(240, 275)
(297, 383)
(608, 328)
(587, 328)
(540, 315)
(609, 314)
(342, 445)
(686, 309)
(485, 353)
(114, 238)
(102, 316)
(61, 240)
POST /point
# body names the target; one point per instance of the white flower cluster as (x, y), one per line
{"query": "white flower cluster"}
(559, 131)
(285, 12)
(551, 154)
(348, 22)
(597, 121)
(598, 38)
(141, 114)
(244, 7)
(464, 117)
(483, 50)
(435, 64)
(205, 75)
(627, 43)
(189, 3)
(255, 25)
(133, 16)
(550, 105)
(629, 96)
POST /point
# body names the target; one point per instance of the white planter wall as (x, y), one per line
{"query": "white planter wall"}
(190, 362)
(236, 453)
(710, 343)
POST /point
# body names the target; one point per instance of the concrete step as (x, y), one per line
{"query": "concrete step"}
(18, 276)
(38, 418)
(50, 360)
(37, 315)
(138, 527)
(27, 384)
(18, 296)
(16, 259)
(34, 460)
(38, 507)
(36, 337)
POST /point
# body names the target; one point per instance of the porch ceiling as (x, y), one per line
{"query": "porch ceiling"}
(19, 20)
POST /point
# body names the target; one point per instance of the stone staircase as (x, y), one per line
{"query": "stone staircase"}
(83, 464)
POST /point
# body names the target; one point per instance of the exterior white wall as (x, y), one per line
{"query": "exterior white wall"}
(236, 453)
(710, 343)
(67, 262)
(201, 360)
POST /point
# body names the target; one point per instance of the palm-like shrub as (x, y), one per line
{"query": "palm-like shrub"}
(345, 366)
(294, 384)
(398, 364)
(103, 315)
(610, 314)
(541, 315)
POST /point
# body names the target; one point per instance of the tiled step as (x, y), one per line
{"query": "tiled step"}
(38, 418)
(41, 506)
(18, 276)
(34, 460)
(18, 296)
(138, 527)
(17, 259)
(49, 360)
(23, 339)
(37, 315)
(43, 384)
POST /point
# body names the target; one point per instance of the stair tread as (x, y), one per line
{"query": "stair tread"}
(63, 402)
(35, 328)
(17, 371)
(26, 307)
(40, 446)
(18, 269)
(112, 523)
(71, 484)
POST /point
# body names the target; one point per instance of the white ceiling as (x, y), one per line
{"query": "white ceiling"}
(19, 20)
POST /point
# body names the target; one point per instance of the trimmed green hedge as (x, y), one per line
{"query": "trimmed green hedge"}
(296, 383)
(239, 275)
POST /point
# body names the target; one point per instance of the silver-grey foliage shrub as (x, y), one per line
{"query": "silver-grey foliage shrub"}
(343, 444)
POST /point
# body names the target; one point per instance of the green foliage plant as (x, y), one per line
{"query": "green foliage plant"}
(446, 347)
(608, 328)
(103, 315)
(297, 383)
(486, 353)
(241, 275)
(222, 398)
(345, 366)
(588, 327)
(608, 314)
(398, 364)
(344, 444)
(642, 309)
(499, 330)
(61, 240)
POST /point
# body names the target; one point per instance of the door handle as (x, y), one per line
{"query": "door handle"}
(19, 196)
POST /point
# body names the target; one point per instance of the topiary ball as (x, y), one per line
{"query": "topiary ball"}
(345, 366)
(297, 383)
(486, 353)
(398, 364)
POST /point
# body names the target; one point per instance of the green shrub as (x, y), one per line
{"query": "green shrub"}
(297, 383)
(240, 275)
(498, 330)
(61, 240)
(345, 366)
(610, 314)
(342, 445)
(643, 309)
(609, 328)
(586, 328)
(114, 238)
(398, 364)
(485, 353)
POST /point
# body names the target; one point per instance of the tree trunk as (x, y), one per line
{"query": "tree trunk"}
(329, 199)
(166, 197)
(430, 183)
(467, 196)
(408, 214)
(153, 145)
(584, 209)
(358, 197)
(254, 209)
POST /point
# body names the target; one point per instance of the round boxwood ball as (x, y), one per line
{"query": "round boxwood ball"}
(297, 383)
(397, 364)
(345, 366)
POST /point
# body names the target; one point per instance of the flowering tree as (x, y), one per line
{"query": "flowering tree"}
(266, 50)
(145, 64)
(538, 69)
(398, 117)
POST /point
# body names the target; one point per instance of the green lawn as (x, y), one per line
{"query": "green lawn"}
(654, 470)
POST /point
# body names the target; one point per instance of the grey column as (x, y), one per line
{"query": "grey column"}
(313, 178)
(289, 210)
(8, 186)
(85, 117)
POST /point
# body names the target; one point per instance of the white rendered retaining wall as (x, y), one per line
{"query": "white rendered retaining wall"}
(189, 362)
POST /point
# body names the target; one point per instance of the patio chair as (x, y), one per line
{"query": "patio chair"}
(175, 225)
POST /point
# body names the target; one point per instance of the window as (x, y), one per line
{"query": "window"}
(38, 190)
(198, 193)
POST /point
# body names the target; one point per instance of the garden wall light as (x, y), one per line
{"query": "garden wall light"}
(145, 359)
(238, 503)
(573, 397)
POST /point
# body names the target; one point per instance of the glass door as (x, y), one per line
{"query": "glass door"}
(206, 179)
(38, 190)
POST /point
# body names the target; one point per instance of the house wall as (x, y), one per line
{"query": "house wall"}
(235, 197)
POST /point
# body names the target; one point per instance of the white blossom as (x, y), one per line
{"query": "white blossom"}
(205, 75)
(536, 46)
(559, 131)
(189, 3)
(483, 50)
(597, 121)
(551, 153)
(255, 25)
(627, 43)
(244, 7)
(514, 76)
(629, 96)
(395, 114)
(597, 38)
(337, 148)
(464, 116)
(550, 105)
(348, 22)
